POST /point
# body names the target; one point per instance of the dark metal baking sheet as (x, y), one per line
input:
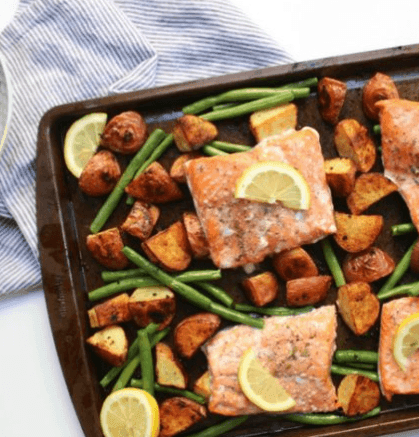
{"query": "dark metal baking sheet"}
(64, 215)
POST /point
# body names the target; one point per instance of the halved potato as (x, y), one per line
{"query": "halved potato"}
(294, 263)
(261, 289)
(169, 371)
(308, 291)
(141, 220)
(110, 312)
(152, 305)
(202, 385)
(192, 132)
(177, 170)
(195, 234)
(340, 175)
(111, 344)
(332, 93)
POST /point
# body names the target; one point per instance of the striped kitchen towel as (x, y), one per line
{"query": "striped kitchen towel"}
(60, 51)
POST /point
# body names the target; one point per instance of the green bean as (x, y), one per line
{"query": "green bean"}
(117, 275)
(138, 383)
(113, 199)
(220, 428)
(398, 272)
(328, 419)
(411, 289)
(223, 106)
(273, 311)
(188, 292)
(355, 356)
(402, 229)
(333, 263)
(146, 361)
(218, 293)
(376, 129)
(365, 366)
(213, 151)
(229, 147)
(310, 82)
(340, 370)
(245, 108)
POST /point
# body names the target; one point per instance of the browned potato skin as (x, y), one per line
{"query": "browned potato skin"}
(356, 233)
(106, 248)
(367, 266)
(358, 306)
(195, 234)
(332, 93)
(192, 132)
(414, 259)
(340, 175)
(353, 141)
(202, 385)
(160, 311)
(369, 189)
(169, 371)
(110, 312)
(125, 133)
(178, 414)
(261, 289)
(307, 291)
(358, 394)
(111, 344)
(379, 87)
(141, 220)
(100, 175)
(294, 263)
(191, 333)
(154, 185)
(169, 248)
(177, 170)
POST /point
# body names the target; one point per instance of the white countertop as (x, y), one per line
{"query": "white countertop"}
(34, 400)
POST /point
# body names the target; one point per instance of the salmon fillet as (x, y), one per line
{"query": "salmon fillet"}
(298, 350)
(392, 378)
(240, 231)
(399, 121)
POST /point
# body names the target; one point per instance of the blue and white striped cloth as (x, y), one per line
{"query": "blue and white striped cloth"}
(60, 51)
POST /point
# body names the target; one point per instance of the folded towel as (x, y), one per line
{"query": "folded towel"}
(60, 51)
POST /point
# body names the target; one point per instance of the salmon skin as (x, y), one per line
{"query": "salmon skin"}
(240, 231)
(393, 379)
(399, 121)
(298, 350)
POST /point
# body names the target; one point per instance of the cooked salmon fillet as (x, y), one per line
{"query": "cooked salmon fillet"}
(240, 231)
(297, 350)
(399, 121)
(393, 379)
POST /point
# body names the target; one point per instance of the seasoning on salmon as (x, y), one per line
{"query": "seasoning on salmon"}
(393, 379)
(298, 350)
(399, 121)
(241, 231)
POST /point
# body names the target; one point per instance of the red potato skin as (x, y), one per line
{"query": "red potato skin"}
(195, 234)
(141, 220)
(261, 289)
(332, 93)
(100, 175)
(308, 291)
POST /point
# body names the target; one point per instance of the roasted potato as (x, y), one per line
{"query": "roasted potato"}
(273, 121)
(358, 394)
(340, 175)
(294, 263)
(358, 306)
(307, 291)
(357, 232)
(367, 266)
(192, 132)
(178, 414)
(369, 189)
(191, 333)
(261, 289)
(332, 93)
(414, 259)
(106, 247)
(353, 141)
(111, 344)
(110, 312)
(195, 234)
(177, 170)
(125, 133)
(154, 185)
(100, 174)
(379, 87)
(169, 371)
(152, 305)
(169, 248)
(202, 385)
(141, 220)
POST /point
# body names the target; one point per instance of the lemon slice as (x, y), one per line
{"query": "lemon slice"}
(272, 181)
(82, 140)
(130, 412)
(260, 387)
(406, 340)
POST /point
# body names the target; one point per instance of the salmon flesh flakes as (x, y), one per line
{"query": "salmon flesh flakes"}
(241, 231)
(297, 350)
